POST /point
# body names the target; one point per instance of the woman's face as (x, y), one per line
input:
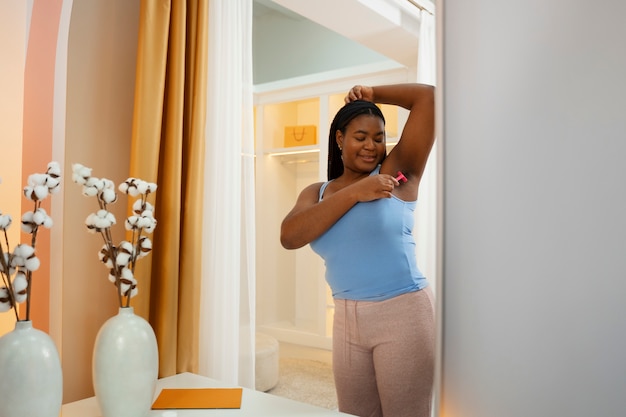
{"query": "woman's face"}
(363, 145)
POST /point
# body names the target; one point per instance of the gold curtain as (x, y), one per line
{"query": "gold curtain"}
(168, 148)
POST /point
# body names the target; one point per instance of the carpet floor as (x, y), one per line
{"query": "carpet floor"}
(306, 381)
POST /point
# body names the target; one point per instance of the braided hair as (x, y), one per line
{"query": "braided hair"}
(343, 117)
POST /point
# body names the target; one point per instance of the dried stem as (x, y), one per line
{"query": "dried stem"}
(5, 275)
(29, 274)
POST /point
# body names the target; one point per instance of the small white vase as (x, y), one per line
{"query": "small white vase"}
(125, 365)
(31, 380)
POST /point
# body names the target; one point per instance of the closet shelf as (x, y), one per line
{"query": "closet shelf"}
(296, 154)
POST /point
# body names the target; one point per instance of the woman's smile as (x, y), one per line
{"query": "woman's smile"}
(368, 158)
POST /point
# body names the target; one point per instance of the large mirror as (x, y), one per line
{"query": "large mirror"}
(305, 59)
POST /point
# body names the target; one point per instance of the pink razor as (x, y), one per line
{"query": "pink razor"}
(400, 177)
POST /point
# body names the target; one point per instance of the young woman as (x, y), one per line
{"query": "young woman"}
(360, 222)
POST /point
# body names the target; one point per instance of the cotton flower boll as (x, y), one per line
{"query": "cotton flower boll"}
(123, 187)
(105, 256)
(90, 191)
(138, 206)
(152, 226)
(80, 174)
(37, 179)
(90, 222)
(54, 169)
(132, 223)
(32, 263)
(5, 300)
(24, 255)
(108, 196)
(127, 286)
(5, 221)
(127, 281)
(20, 286)
(129, 290)
(122, 259)
(147, 224)
(53, 184)
(7, 261)
(20, 253)
(41, 191)
(141, 206)
(41, 218)
(17, 261)
(130, 187)
(127, 274)
(24, 250)
(104, 219)
(112, 276)
(152, 187)
(124, 254)
(36, 189)
(143, 223)
(95, 183)
(142, 187)
(28, 223)
(36, 192)
(29, 192)
(145, 246)
(78, 179)
(107, 184)
(47, 223)
(148, 221)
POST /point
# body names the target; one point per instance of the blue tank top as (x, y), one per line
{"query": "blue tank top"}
(370, 252)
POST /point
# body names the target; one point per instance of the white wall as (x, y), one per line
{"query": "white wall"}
(534, 213)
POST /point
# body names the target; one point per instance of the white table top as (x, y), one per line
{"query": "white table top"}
(253, 403)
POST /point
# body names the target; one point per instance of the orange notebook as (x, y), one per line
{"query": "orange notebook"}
(198, 398)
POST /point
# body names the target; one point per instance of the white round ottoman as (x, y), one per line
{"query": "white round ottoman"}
(266, 362)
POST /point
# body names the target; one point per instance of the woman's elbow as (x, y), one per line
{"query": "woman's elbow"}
(289, 242)
(289, 239)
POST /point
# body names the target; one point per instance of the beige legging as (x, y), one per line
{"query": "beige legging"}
(383, 355)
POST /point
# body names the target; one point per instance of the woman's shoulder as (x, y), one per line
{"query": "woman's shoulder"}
(313, 189)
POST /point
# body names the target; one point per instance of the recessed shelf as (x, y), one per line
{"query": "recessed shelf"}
(296, 155)
(294, 150)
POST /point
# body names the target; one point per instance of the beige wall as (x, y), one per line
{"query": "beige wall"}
(39, 90)
(13, 55)
(100, 88)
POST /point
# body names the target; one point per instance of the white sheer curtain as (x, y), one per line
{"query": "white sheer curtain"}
(426, 213)
(228, 282)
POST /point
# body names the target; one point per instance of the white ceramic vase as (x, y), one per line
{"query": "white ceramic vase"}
(125, 365)
(31, 380)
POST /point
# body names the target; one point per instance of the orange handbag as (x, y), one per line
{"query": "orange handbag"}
(300, 135)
